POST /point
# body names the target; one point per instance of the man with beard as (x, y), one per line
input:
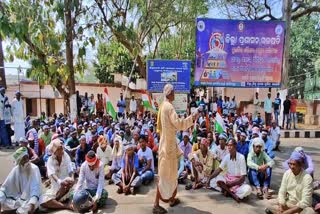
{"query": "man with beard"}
(22, 188)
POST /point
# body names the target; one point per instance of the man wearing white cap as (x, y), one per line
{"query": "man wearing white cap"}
(60, 172)
(260, 169)
(167, 124)
(221, 150)
(243, 145)
(22, 188)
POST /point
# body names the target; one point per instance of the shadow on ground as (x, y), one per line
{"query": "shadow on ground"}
(187, 210)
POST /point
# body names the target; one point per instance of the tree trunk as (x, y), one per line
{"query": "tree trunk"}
(69, 58)
(142, 67)
(2, 70)
(287, 4)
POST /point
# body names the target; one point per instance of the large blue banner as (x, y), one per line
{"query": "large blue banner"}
(239, 53)
(175, 72)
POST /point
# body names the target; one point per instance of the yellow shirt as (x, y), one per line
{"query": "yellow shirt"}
(195, 147)
(207, 162)
(296, 190)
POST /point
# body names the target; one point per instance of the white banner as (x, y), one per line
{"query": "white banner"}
(180, 102)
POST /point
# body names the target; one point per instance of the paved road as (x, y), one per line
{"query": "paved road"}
(193, 202)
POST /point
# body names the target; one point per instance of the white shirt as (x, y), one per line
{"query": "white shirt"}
(214, 107)
(105, 156)
(235, 167)
(91, 179)
(7, 115)
(274, 133)
(17, 110)
(147, 155)
(218, 153)
(133, 105)
(61, 171)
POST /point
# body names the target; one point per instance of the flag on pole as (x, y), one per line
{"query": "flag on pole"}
(109, 108)
(219, 124)
(147, 101)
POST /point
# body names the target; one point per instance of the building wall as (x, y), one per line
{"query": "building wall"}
(32, 91)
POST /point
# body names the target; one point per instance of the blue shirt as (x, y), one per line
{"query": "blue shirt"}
(269, 148)
(277, 103)
(81, 154)
(219, 103)
(258, 121)
(121, 105)
(243, 149)
(135, 162)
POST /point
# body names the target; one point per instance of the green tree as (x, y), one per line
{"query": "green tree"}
(304, 51)
(43, 33)
(139, 25)
(111, 58)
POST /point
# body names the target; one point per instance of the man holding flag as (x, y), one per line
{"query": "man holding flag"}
(168, 124)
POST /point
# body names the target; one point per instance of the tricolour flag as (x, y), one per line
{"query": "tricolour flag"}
(219, 124)
(109, 107)
(147, 101)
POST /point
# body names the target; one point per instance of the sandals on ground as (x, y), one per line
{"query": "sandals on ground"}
(267, 194)
(159, 210)
(259, 195)
(175, 202)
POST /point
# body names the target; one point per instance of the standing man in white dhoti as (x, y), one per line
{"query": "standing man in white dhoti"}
(18, 117)
(168, 123)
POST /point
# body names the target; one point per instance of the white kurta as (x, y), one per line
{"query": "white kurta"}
(168, 149)
(21, 189)
(61, 172)
(18, 119)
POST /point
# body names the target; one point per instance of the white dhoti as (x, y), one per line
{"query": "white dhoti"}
(243, 191)
(19, 130)
(20, 205)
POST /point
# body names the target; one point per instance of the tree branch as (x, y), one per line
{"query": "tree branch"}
(306, 11)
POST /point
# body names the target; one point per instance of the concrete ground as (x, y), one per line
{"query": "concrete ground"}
(198, 201)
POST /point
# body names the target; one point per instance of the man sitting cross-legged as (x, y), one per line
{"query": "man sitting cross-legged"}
(91, 178)
(260, 168)
(202, 164)
(146, 171)
(60, 172)
(127, 178)
(295, 193)
(22, 188)
(233, 182)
